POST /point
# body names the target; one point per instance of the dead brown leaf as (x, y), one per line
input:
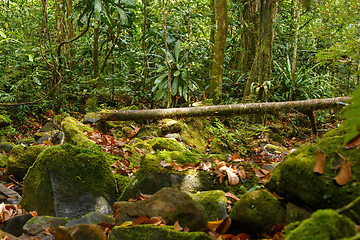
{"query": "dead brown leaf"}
(177, 226)
(319, 162)
(154, 221)
(213, 225)
(242, 172)
(224, 226)
(353, 142)
(140, 220)
(232, 196)
(232, 177)
(257, 172)
(344, 175)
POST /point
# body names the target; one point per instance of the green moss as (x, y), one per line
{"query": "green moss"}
(322, 225)
(4, 121)
(21, 159)
(3, 160)
(214, 203)
(257, 211)
(166, 144)
(295, 178)
(74, 135)
(77, 170)
(144, 146)
(180, 157)
(150, 232)
(196, 135)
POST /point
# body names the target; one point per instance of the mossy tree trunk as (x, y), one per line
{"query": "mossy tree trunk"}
(96, 49)
(261, 67)
(217, 68)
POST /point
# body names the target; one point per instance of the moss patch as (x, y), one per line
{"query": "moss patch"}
(214, 203)
(74, 134)
(195, 134)
(21, 159)
(150, 232)
(322, 225)
(257, 212)
(294, 177)
(166, 144)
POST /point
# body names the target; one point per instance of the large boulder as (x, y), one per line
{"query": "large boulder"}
(168, 144)
(322, 225)
(295, 180)
(214, 203)
(170, 204)
(68, 181)
(257, 212)
(21, 159)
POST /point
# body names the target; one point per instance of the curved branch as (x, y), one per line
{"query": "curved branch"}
(75, 38)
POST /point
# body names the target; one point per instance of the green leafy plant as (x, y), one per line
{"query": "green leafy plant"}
(182, 82)
(305, 84)
(352, 116)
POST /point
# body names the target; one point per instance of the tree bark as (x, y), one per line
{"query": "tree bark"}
(96, 49)
(261, 67)
(224, 110)
(217, 68)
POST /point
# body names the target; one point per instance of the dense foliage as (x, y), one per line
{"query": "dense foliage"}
(132, 52)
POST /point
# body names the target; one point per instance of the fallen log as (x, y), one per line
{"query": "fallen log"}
(306, 106)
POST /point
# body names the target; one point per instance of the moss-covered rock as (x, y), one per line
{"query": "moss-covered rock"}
(4, 121)
(74, 134)
(170, 126)
(257, 212)
(324, 224)
(48, 127)
(295, 213)
(91, 118)
(144, 146)
(195, 134)
(6, 147)
(68, 181)
(170, 204)
(166, 144)
(3, 160)
(214, 203)
(21, 159)
(294, 177)
(149, 131)
(150, 232)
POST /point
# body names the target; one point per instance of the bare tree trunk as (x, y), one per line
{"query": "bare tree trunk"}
(217, 68)
(224, 110)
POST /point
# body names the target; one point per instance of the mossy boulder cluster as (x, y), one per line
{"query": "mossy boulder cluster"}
(295, 180)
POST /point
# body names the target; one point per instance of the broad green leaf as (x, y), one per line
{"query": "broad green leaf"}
(174, 86)
(123, 16)
(97, 8)
(177, 49)
(129, 2)
(2, 34)
(177, 73)
(160, 78)
(31, 57)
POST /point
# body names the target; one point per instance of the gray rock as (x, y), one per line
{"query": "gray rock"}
(92, 218)
(39, 224)
(6, 147)
(15, 224)
(48, 127)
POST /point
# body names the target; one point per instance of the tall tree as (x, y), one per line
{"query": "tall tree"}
(261, 67)
(217, 61)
